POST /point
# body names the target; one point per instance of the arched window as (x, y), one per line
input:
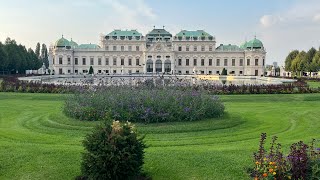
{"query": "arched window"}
(149, 65)
(158, 65)
(167, 66)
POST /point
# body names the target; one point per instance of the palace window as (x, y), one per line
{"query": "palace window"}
(256, 63)
(60, 60)
(107, 48)
(202, 48)
(194, 62)
(122, 62)
(225, 62)
(210, 72)
(241, 62)
(130, 48)
(53, 60)
(84, 61)
(233, 62)
(202, 62)
(217, 72)
(137, 48)
(99, 71)
(263, 62)
(60, 70)
(248, 62)
(187, 72)
(195, 48)
(91, 61)
(137, 62)
(210, 62)
(122, 48)
(179, 62)
(179, 48)
(114, 71)
(69, 60)
(187, 62)
(130, 62)
(114, 61)
(76, 71)
(107, 61)
(114, 48)
(76, 62)
(210, 48)
(187, 48)
(99, 61)
(218, 63)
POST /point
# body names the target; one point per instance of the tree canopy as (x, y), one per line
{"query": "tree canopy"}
(16, 58)
(299, 62)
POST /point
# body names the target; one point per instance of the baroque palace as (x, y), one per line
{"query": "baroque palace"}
(130, 52)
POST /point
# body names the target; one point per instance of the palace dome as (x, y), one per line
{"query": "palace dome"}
(73, 44)
(62, 42)
(254, 44)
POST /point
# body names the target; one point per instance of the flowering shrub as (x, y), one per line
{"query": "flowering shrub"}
(12, 84)
(113, 151)
(147, 105)
(301, 163)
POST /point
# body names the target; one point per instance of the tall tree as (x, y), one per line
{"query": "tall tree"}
(44, 55)
(308, 60)
(292, 55)
(37, 51)
(298, 64)
(3, 58)
(316, 62)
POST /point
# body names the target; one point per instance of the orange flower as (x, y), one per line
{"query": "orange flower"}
(257, 163)
(264, 174)
(256, 178)
(271, 170)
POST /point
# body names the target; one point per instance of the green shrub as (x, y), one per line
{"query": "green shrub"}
(113, 151)
(143, 104)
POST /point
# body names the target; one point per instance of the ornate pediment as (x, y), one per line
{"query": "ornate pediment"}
(159, 47)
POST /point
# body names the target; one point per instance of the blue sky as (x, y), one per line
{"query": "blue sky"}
(282, 25)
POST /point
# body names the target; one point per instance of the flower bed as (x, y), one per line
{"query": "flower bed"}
(303, 161)
(145, 105)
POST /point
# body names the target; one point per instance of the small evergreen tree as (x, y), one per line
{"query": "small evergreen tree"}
(224, 72)
(91, 70)
(113, 151)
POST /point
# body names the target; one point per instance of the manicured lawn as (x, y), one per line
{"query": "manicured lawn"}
(38, 142)
(314, 84)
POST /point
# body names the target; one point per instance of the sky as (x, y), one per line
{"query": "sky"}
(282, 25)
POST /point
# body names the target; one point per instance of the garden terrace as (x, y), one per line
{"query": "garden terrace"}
(37, 141)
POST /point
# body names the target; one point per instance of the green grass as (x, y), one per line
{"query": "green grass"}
(314, 84)
(38, 142)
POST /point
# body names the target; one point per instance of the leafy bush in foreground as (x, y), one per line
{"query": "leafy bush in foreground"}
(113, 151)
(143, 104)
(303, 162)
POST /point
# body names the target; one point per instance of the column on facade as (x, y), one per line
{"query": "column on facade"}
(154, 66)
(163, 70)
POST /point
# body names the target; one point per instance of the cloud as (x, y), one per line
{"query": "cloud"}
(316, 18)
(269, 20)
(301, 12)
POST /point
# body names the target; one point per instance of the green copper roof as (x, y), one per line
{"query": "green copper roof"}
(228, 48)
(159, 32)
(253, 44)
(198, 33)
(124, 33)
(243, 45)
(73, 44)
(88, 46)
(62, 42)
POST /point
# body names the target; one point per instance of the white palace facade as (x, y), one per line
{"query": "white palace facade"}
(158, 52)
